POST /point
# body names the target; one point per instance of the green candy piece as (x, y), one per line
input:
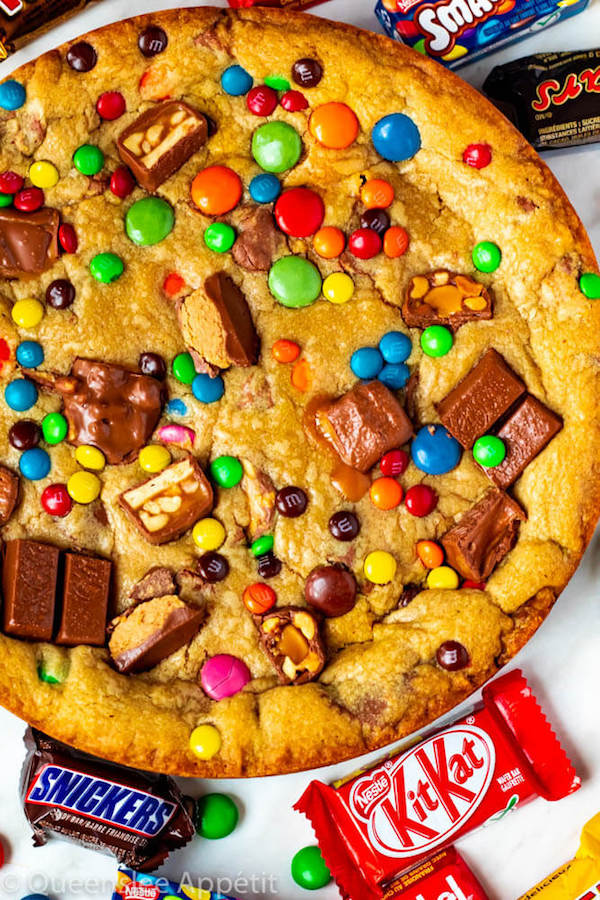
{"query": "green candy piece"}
(436, 340)
(216, 816)
(184, 369)
(149, 221)
(262, 545)
(54, 428)
(486, 256)
(88, 159)
(227, 471)
(420, 47)
(277, 82)
(106, 267)
(589, 285)
(309, 870)
(53, 667)
(489, 451)
(276, 146)
(219, 237)
(5, 199)
(294, 281)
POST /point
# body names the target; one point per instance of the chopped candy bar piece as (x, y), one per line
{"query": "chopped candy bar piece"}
(157, 582)
(445, 298)
(291, 639)
(260, 492)
(483, 536)
(165, 506)
(147, 633)
(161, 140)
(28, 241)
(480, 399)
(86, 587)
(29, 576)
(258, 239)
(9, 493)
(365, 423)
(525, 434)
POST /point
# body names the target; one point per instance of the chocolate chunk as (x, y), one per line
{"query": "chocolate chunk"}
(29, 576)
(291, 502)
(483, 536)
(258, 239)
(260, 491)
(24, 434)
(290, 637)
(161, 140)
(344, 525)
(86, 589)
(307, 72)
(525, 434)
(28, 241)
(153, 40)
(81, 56)
(151, 631)
(409, 593)
(166, 505)
(9, 493)
(365, 423)
(331, 590)
(157, 582)
(445, 298)
(452, 656)
(212, 567)
(216, 322)
(139, 817)
(60, 294)
(480, 399)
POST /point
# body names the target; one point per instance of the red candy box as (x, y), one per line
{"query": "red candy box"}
(383, 820)
(444, 876)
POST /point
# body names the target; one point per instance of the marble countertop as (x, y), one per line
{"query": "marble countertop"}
(562, 661)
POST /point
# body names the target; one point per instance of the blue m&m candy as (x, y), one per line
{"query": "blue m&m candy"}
(236, 81)
(394, 375)
(396, 137)
(395, 347)
(177, 407)
(30, 354)
(367, 362)
(34, 464)
(264, 188)
(435, 451)
(207, 389)
(12, 94)
(20, 394)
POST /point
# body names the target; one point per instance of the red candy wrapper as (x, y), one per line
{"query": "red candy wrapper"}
(444, 876)
(379, 822)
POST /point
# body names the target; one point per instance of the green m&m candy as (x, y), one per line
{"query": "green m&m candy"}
(227, 471)
(220, 237)
(486, 256)
(309, 870)
(489, 451)
(88, 159)
(276, 146)
(6, 199)
(54, 428)
(589, 285)
(106, 267)
(277, 82)
(294, 281)
(436, 340)
(53, 666)
(216, 816)
(262, 545)
(149, 221)
(184, 369)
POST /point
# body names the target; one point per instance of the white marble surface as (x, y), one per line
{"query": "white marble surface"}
(562, 661)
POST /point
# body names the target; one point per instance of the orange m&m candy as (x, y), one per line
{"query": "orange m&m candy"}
(430, 554)
(301, 375)
(377, 193)
(285, 351)
(395, 241)
(329, 242)
(216, 190)
(259, 598)
(385, 493)
(173, 284)
(334, 125)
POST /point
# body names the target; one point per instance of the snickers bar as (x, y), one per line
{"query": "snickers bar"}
(21, 22)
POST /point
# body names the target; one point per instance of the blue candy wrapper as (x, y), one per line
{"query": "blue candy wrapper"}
(133, 885)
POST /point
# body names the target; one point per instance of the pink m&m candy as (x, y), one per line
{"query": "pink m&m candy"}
(223, 676)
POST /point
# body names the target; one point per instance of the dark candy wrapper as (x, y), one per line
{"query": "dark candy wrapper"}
(553, 98)
(21, 22)
(139, 817)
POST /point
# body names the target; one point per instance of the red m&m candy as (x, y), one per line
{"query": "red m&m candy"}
(261, 100)
(110, 105)
(364, 243)
(395, 462)
(56, 501)
(293, 101)
(478, 156)
(299, 212)
(29, 199)
(420, 500)
(67, 237)
(10, 182)
(474, 585)
(122, 182)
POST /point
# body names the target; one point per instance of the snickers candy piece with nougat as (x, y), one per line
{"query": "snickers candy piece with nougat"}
(166, 505)
(161, 140)
(29, 581)
(483, 536)
(445, 298)
(529, 428)
(365, 423)
(291, 639)
(9, 493)
(28, 241)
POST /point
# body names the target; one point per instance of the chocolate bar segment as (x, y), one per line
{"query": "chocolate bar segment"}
(483, 536)
(290, 637)
(28, 241)
(9, 493)
(157, 582)
(365, 423)
(166, 505)
(86, 588)
(445, 298)
(525, 434)
(480, 399)
(29, 576)
(161, 140)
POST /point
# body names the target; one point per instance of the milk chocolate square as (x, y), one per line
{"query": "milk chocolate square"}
(480, 399)
(525, 434)
(9, 493)
(29, 576)
(365, 423)
(28, 241)
(86, 588)
(161, 140)
(483, 536)
(445, 298)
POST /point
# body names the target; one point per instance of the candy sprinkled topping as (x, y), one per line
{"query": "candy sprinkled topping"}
(329, 242)
(34, 464)
(309, 870)
(259, 598)
(430, 554)
(88, 159)
(396, 137)
(110, 106)
(344, 525)
(452, 656)
(208, 534)
(184, 369)
(154, 458)
(207, 389)
(291, 502)
(436, 340)
(30, 354)
(20, 394)
(90, 457)
(293, 101)
(81, 56)
(223, 676)
(386, 493)
(420, 500)
(122, 182)
(219, 237)
(12, 95)
(60, 293)
(377, 193)
(106, 267)
(261, 100)
(285, 351)
(364, 243)
(217, 815)
(43, 174)
(25, 434)
(227, 471)
(334, 125)
(338, 287)
(394, 462)
(84, 487)
(27, 313)
(54, 428)
(489, 451)
(152, 40)
(264, 188)
(55, 500)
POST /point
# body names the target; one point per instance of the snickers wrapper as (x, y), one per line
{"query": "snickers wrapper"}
(578, 879)
(139, 817)
(385, 819)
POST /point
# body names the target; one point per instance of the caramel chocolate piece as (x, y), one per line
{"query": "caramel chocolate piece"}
(28, 241)
(525, 434)
(86, 588)
(166, 505)
(260, 491)
(9, 493)
(483, 536)
(161, 140)
(29, 576)
(151, 631)
(480, 399)
(258, 239)
(157, 582)
(365, 423)
(291, 639)
(445, 298)
(216, 322)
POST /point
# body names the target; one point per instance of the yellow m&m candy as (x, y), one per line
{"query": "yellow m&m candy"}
(205, 741)
(442, 577)
(379, 567)
(338, 287)
(208, 534)
(90, 457)
(27, 313)
(154, 458)
(84, 487)
(43, 174)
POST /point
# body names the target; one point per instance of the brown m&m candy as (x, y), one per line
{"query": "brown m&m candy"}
(212, 567)
(452, 656)
(25, 434)
(153, 40)
(307, 72)
(60, 293)
(344, 525)
(331, 590)
(154, 365)
(81, 56)
(376, 219)
(269, 566)
(291, 502)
